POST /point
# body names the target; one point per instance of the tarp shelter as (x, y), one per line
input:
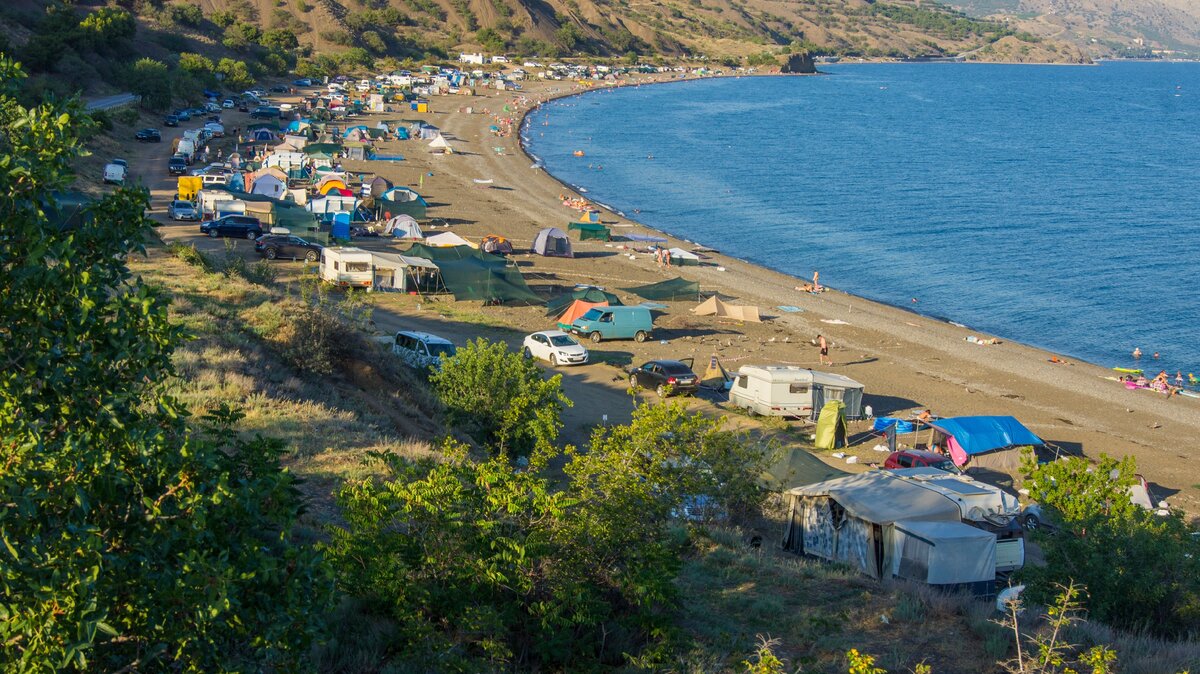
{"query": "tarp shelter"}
(403, 227)
(447, 240)
(577, 309)
(590, 294)
(552, 242)
(713, 306)
(883, 525)
(985, 442)
(670, 290)
(794, 467)
(405, 273)
(401, 200)
(831, 426)
(496, 245)
(326, 150)
(684, 258)
(472, 274)
(588, 231)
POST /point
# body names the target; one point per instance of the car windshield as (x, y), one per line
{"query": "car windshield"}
(440, 349)
(563, 340)
(592, 315)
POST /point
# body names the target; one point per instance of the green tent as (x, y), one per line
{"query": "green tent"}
(672, 289)
(796, 467)
(590, 294)
(322, 150)
(831, 426)
(471, 274)
(589, 230)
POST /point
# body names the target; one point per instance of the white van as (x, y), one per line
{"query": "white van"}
(347, 267)
(790, 391)
(421, 349)
(114, 172)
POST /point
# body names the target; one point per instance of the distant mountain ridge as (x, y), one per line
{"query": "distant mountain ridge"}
(1103, 27)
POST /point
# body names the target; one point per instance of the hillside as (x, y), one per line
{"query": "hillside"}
(1103, 27)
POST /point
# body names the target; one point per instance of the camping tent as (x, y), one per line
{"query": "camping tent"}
(398, 200)
(590, 231)
(439, 144)
(333, 181)
(405, 273)
(587, 294)
(552, 242)
(831, 426)
(447, 240)
(268, 182)
(472, 274)
(794, 467)
(591, 216)
(672, 289)
(683, 258)
(379, 185)
(403, 227)
(577, 309)
(713, 306)
(262, 136)
(883, 525)
(496, 245)
(987, 442)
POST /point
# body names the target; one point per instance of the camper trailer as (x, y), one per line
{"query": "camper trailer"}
(790, 391)
(347, 267)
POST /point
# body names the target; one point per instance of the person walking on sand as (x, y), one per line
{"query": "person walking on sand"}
(824, 346)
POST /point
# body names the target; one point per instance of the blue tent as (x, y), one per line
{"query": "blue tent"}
(968, 438)
(341, 226)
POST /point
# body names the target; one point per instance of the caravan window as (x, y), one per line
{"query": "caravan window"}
(358, 266)
(797, 388)
(743, 381)
(335, 265)
(835, 393)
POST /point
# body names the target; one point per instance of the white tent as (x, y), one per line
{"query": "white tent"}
(404, 227)
(440, 144)
(682, 257)
(943, 553)
(269, 185)
(403, 273)
(447, 240)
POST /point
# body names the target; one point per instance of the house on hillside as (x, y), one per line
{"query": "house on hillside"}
(477, 59)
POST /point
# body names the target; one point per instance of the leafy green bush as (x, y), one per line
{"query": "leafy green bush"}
(182, 14)
(131, 540)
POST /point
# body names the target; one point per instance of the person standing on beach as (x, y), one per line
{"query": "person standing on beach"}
(824, 346)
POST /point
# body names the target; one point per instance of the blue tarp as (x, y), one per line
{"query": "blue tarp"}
(902, 426)
(977, 435)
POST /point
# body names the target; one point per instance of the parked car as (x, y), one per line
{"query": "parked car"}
(278, 89)
(918, 458)
(183, 210)
(302, 82)
(177, 165)
(228, 104)
(661, 374)
(279, 246)
(212, 107)
(114, 172)
(243, 106)
(614, 323)
(239, 226)
(215, 128)
(421, 349)
(556, 347)
(183, 115)
(149, 136)
(265, 112)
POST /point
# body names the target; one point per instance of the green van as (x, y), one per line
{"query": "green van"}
(614, 323)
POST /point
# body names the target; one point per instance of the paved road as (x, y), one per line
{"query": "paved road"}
(108, 102)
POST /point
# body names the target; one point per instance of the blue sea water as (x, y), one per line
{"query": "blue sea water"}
(1057, 206)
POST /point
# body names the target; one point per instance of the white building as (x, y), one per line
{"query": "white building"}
(477, 59)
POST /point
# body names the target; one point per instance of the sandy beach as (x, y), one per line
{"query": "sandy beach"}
(905, 360)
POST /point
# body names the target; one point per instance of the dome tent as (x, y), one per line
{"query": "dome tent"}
(553, 242)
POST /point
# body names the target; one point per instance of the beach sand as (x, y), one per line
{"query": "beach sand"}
(905, 360)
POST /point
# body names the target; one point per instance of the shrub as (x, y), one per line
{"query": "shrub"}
(151, 80)
(183, 14)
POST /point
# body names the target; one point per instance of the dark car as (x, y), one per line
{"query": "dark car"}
(243, 106)
(302, 82)
(663, 374)
(279, 89)
(917, 458)
(238, 226)
(170, 120)
(149, 136)
(279, 246)
(177, 165)
(183, 115)
(265, 112)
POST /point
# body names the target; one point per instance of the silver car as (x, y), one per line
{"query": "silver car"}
(183, 210)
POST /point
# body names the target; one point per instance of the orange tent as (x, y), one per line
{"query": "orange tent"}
(577, 309)
(330, 183)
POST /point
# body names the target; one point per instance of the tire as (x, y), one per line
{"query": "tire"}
(310, 256)
(527, 353)
(1032, 522)
(596, 337)
(640, 336)
(213, 233)
(251, 235)
(272, 254)
(633, 382)
(661, 391)
(553, 360)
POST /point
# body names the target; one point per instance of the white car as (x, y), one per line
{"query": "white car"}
(421, 350)
(556, 347)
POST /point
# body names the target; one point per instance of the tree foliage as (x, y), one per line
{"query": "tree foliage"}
(129, 542)
(501, 398)
(1142, 570)
(151, 80)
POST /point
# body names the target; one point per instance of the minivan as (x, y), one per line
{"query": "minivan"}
(614, 323)
(422, 350)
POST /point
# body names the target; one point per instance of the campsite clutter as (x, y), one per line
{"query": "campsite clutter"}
(934, 527)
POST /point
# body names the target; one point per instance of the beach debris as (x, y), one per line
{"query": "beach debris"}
(834, 321)
(838, 455)
(881, 448)
(982, 342)
(851, 459)
(789, 309)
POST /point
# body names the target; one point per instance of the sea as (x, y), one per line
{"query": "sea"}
(1056, 206)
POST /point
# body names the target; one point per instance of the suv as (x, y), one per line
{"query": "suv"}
(276, 246)
(265, 112)
(148, 136)
(918, 458)
(170, 120)
(421, 350)
(660, 374)
(178, 165)
(182, 210)
(240, 226)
